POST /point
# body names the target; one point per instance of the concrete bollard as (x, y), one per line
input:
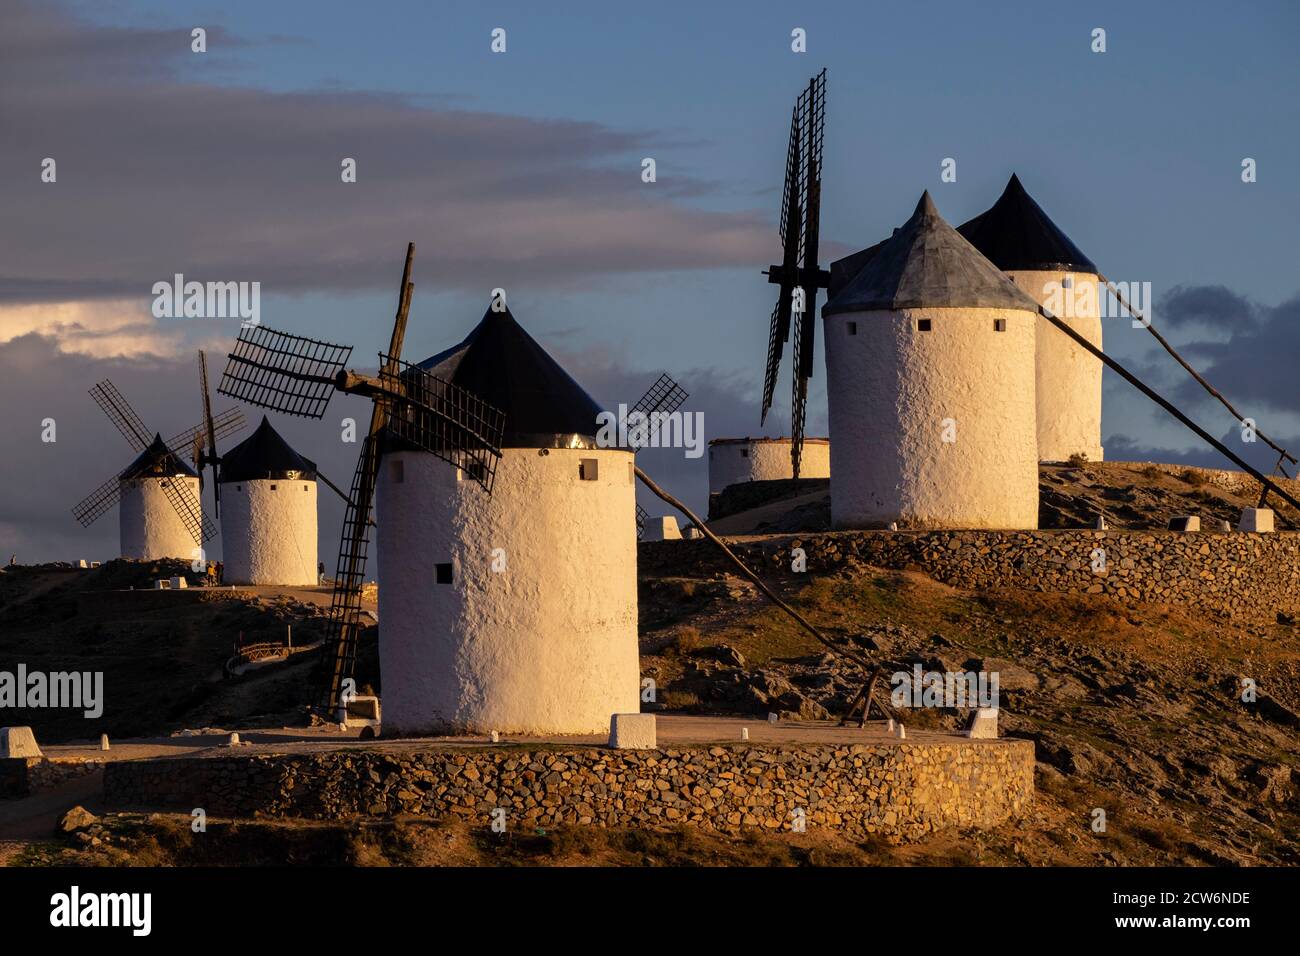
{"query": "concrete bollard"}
(983, 724)
(1259, 520)
(103, 741)
(633, 732)
(661, 529)
(18, 742)
(1185, 523)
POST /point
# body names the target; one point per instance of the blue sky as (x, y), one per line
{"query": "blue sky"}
(1134, 152)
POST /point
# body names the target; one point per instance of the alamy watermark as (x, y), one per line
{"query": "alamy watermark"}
(179, 299)
(635, 429)
(922, 688)
(23, 689)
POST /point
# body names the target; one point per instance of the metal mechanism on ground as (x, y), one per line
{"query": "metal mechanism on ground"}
(798, 276)
(161, 509)
(299, 376)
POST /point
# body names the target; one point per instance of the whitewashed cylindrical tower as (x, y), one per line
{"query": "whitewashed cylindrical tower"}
(733, 461)
(1019, 238)
(155, 489)
(268, 512)
(515, 611)
(930, 387)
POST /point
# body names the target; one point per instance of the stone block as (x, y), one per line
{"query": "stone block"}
(1185, 523)
(1256, 519)
(179, 583)
(1099, 524)
(983, 724)
(18, 742)
(633, 732)
(162, 584)
(661, 529)
(361, 711)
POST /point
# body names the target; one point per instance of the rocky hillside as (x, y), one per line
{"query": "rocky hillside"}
(1137, 711)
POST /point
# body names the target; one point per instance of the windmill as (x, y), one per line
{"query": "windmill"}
(798, 276)
(205, 442)
(664, 397)
(298, 376)
(188, 508)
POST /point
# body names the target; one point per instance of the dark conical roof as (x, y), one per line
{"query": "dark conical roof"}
(264, 454)
(503, 365)
(925, 263)
(157, 461)
(1015, 234)
(843, 270)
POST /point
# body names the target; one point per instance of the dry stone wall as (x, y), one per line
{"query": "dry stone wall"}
(897, 790)
(1247, 576)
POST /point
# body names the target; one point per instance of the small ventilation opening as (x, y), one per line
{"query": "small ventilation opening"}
(442, 573)
(471, 471)
(398, 470)
(923, 325)
(744, 453)
(853, 328)
(273, 487)
(587, 469)
(999, 325)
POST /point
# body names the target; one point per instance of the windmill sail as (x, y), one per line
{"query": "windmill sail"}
(799, 275)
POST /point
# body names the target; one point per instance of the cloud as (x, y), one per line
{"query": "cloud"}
(107, 329)
(1208, 306)
(1250, 356)
(159, 173)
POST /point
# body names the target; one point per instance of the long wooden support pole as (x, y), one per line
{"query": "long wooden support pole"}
(803, 622)
(1167, 406)
(1191, 371)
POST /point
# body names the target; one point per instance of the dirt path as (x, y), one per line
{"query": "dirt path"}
(33, 818)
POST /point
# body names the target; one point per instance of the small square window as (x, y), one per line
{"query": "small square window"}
(1067, 282)
(999, 325)
(304, 487)
(442, 573)
(273, 487)
(471, 471)
(398, 470)
(853, 328)
(239, 487)
(587, 469)
(744, 453)
(923, 325)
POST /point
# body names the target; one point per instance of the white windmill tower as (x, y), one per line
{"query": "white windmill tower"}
(159, 495)
(267, 499)
(930, 387)
(1019, 238)
(506, 536)
(518, 611)
(150, 524)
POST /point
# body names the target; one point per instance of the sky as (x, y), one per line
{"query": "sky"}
(521, 170)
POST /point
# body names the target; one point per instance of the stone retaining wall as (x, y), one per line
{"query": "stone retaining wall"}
(1248, 576)
(897, 790)
(22, 776)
